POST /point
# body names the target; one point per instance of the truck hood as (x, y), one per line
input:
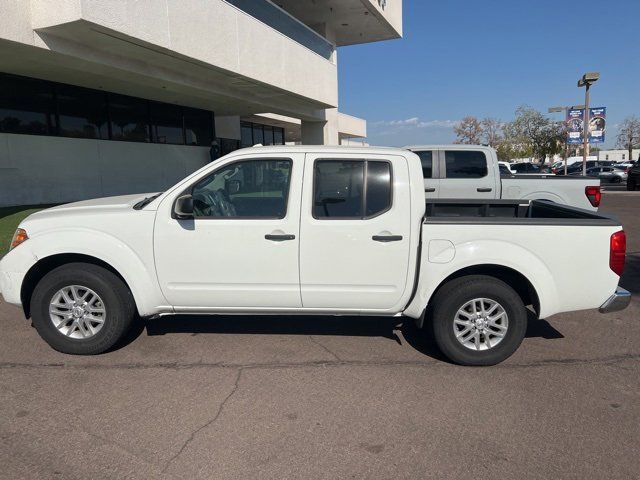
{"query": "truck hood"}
(106, 205)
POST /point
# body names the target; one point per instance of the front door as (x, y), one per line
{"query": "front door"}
(240, 250)
(355, 230)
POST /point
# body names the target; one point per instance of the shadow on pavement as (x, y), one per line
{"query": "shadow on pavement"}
(631, 275)
(421, 340)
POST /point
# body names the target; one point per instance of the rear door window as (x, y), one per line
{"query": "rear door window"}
(465, 164)
(351, 189)
(426, 159)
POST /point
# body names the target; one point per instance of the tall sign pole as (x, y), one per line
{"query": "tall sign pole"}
(586, 81)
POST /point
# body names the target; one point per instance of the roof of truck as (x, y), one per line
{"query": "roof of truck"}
(318, 148)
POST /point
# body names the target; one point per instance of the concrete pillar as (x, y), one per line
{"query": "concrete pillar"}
(321, 132)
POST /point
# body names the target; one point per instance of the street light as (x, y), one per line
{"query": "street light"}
(564, 112)
(586, 81)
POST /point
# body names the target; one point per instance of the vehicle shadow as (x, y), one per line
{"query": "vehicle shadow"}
(631, 276)
(393, 329)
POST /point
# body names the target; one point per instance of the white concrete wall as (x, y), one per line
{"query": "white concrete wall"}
(41, 169)
(616, 155)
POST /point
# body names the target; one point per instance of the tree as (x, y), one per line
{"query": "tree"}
(629, 135)
(531, 134)
(468, 131)
(491, 131)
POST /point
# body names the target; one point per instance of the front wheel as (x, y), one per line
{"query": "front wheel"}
(478, 320)
(82, 309)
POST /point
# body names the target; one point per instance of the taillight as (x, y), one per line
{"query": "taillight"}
(594, 195)
(617, 252)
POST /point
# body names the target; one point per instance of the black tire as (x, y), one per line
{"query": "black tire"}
(631, 184)
(116, 297)
(616, 180)
(453, 295)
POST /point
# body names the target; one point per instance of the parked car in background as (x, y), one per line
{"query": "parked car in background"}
(473, 171)
(606, 174)
(525, 167)
(505, 168)
(341, 231)
(633, 177)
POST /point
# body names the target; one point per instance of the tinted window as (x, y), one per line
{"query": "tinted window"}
(466, 164)
(504, 170)
(129, 118)
(339, 188)
(268, 135)
(258, 137)
(278, 136)
(26, 106)
(82, 112)
(426, 159)
(198, 127)
(251, 189)
(378, 188)
(166, 123)
(246, 131)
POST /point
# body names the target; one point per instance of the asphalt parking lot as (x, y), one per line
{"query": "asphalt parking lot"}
(272, 397)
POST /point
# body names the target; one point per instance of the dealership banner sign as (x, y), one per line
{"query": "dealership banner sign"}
(597, 125)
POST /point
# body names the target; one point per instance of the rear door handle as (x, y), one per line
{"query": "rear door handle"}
(386, 238)
(430, 189)
(484, 189)
(279, 238)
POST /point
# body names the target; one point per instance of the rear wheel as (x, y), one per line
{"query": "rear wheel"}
(478, 320)
(631, 184)
(82, 309)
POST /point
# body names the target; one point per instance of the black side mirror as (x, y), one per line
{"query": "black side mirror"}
(183, 208)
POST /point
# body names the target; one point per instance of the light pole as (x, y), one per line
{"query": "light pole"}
(564, 112)
(586, 81)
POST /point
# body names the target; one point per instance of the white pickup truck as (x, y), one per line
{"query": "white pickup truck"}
(311, 230)
(473, 171)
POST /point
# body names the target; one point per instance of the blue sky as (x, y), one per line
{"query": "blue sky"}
(465, 57)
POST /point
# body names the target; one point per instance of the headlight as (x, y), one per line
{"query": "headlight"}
(19, 237)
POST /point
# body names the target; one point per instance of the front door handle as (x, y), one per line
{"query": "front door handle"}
(279, 238)
(484, 189)
(430, 189)
(386, 238)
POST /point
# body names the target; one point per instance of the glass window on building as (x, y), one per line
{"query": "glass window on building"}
(268, 135)
(82, 113)
(166, 123)
(198, 127)
(278, 136)
(246, 132)
(26, 106)
(258, 136)
(129, 118)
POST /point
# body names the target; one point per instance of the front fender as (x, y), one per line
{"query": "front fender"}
(137, 271)
(486, 252)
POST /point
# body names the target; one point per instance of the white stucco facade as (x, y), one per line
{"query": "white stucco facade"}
(233, 58)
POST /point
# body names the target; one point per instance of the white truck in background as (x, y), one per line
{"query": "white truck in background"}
(473, 172)
(311, 230)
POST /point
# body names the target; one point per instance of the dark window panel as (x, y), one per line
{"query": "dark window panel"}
(426, 159)
(278, 136)
(82, 112)
(26, 106)
(338, 189)
(258, 136)
(198, 127)
(166, 123)
(466, 164)
(246, 130)
(268, 135)
(378, 187)
(129, 118)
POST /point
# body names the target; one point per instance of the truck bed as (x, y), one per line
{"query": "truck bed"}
(533, 212)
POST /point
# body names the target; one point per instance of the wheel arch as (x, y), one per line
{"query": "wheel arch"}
(47, 264)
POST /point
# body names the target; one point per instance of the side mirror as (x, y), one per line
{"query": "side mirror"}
(183, 208)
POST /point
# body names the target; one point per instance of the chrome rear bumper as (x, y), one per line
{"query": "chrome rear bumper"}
(618, 301)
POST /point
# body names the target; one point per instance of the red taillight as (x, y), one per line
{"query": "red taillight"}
(594, 195)
(617, 252)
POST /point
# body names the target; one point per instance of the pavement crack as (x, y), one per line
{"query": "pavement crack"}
(325, 348)
(207, 424)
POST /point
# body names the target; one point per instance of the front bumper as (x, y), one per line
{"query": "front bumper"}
(618, 301)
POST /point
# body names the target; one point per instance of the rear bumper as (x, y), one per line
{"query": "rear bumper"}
(618, 301)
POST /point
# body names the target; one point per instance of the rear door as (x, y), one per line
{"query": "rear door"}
(430, 172)
(355, 229)
(466, 174)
